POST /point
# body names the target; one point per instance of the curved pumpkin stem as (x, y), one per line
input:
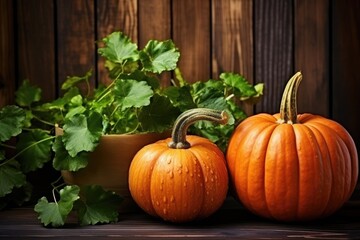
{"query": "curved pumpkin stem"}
(189, 117)
(288, 106)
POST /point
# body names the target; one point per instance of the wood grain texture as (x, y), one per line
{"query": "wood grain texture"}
(36, 45)
(232, 37)
(75, 39)
(274, 56)
(115, 15)
(232, 40)
(312, 55)
(154, 21)
(7, 54)
(227, 223)
(191, 34)
(345, 67)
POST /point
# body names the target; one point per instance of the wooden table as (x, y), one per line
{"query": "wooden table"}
(230, 222)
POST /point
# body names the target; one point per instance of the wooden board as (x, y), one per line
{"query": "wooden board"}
(114, 15)
(232, 40)
(36, 45)
(274, 57)
(227, 223)
(7, 55)
(154, 21)
(312, 55)
(345, 66)
(191, 33)
(75, 39)
(232, 37)
(155, 24)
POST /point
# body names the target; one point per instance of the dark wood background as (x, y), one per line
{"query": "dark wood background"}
(265, 40)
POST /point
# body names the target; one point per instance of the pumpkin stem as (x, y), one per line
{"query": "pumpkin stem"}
(288, 106)
(189, 117)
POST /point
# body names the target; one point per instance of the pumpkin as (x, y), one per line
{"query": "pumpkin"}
(182, 178)
(292, 167)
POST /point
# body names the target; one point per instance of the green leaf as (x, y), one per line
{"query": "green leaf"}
(62, 159)
(71, 81)
(259, 88)
(123, 122)
(180, 97)
(59, 103)
(82, 133)
(17, 197)
(11, 177)
(159, 116)
(158, 56)
(27, 94)
(11, 122)
(35, 148)
(241, 87)
(55, 213)
(131, 93)
(209, 94)
(75, 106)
(119, 48)
(142, 76)
(99, 206)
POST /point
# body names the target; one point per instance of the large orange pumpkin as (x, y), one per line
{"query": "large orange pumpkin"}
(292, 167)
(182, 178)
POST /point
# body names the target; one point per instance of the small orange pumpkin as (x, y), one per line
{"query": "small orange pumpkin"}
(292, 167)
(182, 178)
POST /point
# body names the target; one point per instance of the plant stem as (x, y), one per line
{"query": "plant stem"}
(28, 147)
(7, 146)
(55, 188)
(189, 117)
(288, 106)
(105, 92)
(43, 121)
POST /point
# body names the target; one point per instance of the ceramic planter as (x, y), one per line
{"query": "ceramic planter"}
(109, 164)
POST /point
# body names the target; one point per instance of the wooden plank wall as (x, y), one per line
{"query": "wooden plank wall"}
(265, 40)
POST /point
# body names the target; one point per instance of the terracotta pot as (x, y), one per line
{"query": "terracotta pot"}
(109, 164)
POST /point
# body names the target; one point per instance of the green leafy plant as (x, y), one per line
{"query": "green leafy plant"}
(133, 102)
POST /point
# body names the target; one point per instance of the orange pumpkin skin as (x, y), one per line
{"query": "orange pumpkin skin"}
(179, 185)
(292, 172)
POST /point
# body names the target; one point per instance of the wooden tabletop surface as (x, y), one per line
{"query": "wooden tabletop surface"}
(230, 222)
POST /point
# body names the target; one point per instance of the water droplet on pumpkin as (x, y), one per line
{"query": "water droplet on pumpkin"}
(171, 173)
(185, 184)
(164, 199)
(165, 211)
(212, 179)
(206, 179)
(191, 174)
(157, 203)
(207, 193)
(172, 198)
(186, 169)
